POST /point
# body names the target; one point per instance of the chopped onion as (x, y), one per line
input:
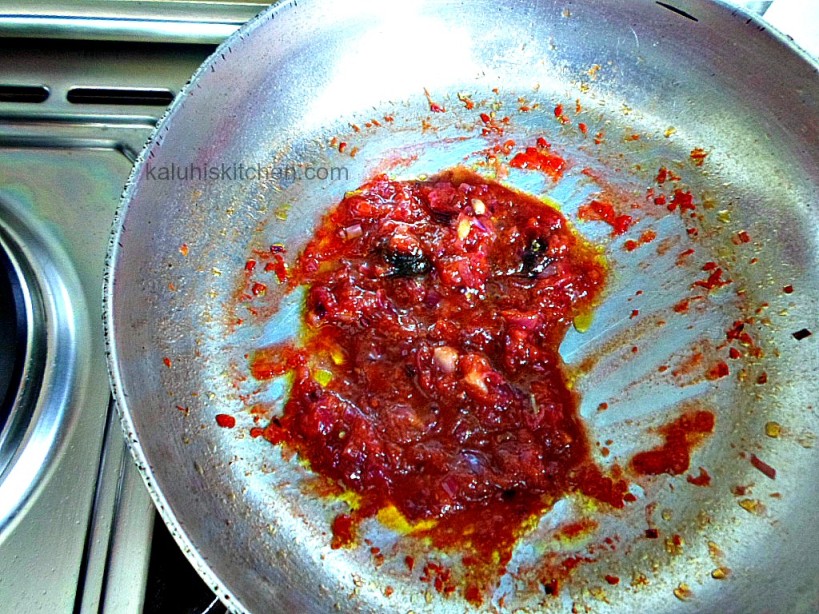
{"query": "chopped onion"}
(352, 232)
(445, 358)
(478, 206)
(464, 226)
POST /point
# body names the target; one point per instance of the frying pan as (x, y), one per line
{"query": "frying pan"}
(655, 81)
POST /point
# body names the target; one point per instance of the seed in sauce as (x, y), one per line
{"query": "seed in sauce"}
(773, 429)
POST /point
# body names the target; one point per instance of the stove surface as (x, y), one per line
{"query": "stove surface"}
(75, 519)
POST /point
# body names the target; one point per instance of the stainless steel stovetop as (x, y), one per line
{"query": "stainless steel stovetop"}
(82, 84)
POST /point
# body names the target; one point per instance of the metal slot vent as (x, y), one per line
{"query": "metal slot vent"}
(154, 97)
(23, 93)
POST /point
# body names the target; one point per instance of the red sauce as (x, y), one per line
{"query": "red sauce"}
(698, 156)
(703, 479)
(430, 377)
(674, 455)
(226, 421)
(540, 159)
(598, 210)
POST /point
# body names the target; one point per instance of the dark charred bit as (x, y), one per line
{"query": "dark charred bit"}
(406, 263)
(535, 259)
(508, 494)
(803, 333)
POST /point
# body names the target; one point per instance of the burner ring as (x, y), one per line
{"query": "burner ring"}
(15, 320)
(23, 352)
(48, 354)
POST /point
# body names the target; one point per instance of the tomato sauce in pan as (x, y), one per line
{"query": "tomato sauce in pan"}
(428, 378)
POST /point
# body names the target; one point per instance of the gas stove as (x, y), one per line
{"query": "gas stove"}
(82, 84)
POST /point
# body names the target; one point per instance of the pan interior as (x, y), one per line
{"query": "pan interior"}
(303, 79)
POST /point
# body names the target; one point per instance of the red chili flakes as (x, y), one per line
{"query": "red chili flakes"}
(763, 467)
(788, 289)
(718, 371)
(734, 354)
(598, 210)
(598, 138)
(713, 281)
(540, 159)
(473, 595)
(226, 421)
(439, 576)
(278, 266)
(492, 124)
(167, 362)
(343, 531)
(683, 200)
(632, 137)
(409, 562)
(647, 237)
(613, 580)
(682, 306)
(652, 533)
(342, 146)
(507, 147)
(258, 289)
(560, 115)
(184, 410)
(603, 406)
(762, 378)
(741, 237)
(183, 249)
(578, 108)
(703, 479)
(389, 118)
(256, 432)
(683, 255)
(355, 127)
(250, 265)
(353, 152)
(467, 101)
(666, 174)
(674, 455)
(634, 313)
(698, 156)
(583, 128)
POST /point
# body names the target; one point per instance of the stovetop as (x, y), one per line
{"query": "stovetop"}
(82, 84)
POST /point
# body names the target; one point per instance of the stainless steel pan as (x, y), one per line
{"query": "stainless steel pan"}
(695, 74)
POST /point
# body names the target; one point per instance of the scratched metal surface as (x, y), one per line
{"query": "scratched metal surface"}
(279, 91)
